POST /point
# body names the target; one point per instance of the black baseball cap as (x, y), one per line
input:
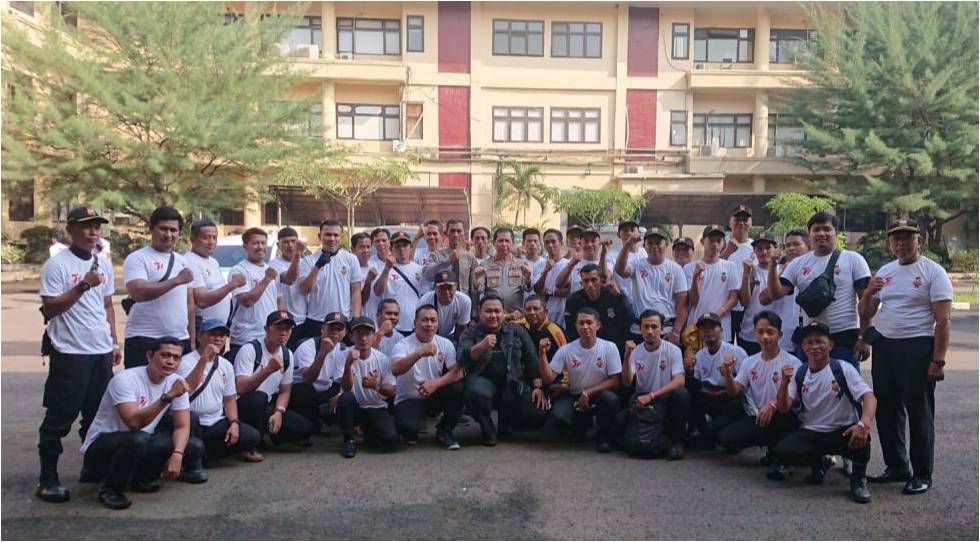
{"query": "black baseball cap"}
(814, 326)
(658, 232)
(709, 317)
(445, 277)
(903, 224)
(362, 321)
(335, 318)
(684, 241)
(765, 236)
(400, 236)
(742, 209)
(212, 324)
(85, 213)
(627, 223)
(279, 317)
(713, 228)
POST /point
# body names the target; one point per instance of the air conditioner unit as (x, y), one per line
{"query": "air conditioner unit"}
(399, 146)
(706, 150)
(776, 151)
(281, 48)
(308, 51)
(699, 65)
(633, 169)
(345, 56)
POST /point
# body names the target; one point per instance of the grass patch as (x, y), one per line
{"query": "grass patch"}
(967, 297)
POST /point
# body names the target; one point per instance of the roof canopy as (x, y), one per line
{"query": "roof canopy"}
(387, 206)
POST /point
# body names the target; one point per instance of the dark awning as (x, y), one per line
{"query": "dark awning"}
(701, 208)
(387, 206)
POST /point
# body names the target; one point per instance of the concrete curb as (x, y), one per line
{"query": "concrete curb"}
(964, 306)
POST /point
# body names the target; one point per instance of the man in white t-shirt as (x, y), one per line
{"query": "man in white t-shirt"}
(432, 232)
(127, 447)
(531, 245)
(57, 243)
(386, 319)
(211, 384)
(794, 245)
(912, 297)
(593, 366)
(627, 230)
(590, 251)
(401, 280)
(287, 264)
(738, 248)
(657, 283)
(755, 273)
(762, 424)
(331, 280)
(707, 384)
(264, 380)
(427, 381)
(682, 250)
(658, 367)
(836, 407)
(158, 282)
(546, 286)
(212, 293)
(454, 307)
(316, 378)
(367, 384)
(76, 300)
(259, 294)
(714, 281)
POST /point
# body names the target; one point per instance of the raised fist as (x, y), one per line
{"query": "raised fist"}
(236, 280)
(270, 273)
(544, 345)
(787, 373)
(490, 340)
(179, 388)
(427, 350)
(185, 276)
(275, 364)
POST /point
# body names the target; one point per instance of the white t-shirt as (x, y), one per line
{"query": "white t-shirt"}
(305, 354)
(825, 411)
(907, 297)
(207, 275)
(842, 313)
(653, 370)
(556, 305)
(248, 323)
(209, 404)
(400, 291)
(165, 315)
(131, 386)
(379, 364)
(245, 366)
(292, 296)
(742, 253)
(56, 249)
(715, 283)
(389, 342)
(625, 284)
(654, 286)
(761, 378)
(789, 311)
(575, 278)
(370, 309)
(587, 367)
(706, 364)
(83, 328)
(757, 284)
(331, 291)
(422, 254)
(455, 314)
(427, 368)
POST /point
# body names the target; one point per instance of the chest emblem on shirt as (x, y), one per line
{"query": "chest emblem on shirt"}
(576, 363)
(917, 282)
(640, 366)
(224, 379)
(158, 265)
(598, 363)
(644, 274)
(837, 270)
(75, 277)
(888, 280)
(724, 276)
(440, 358)
(141, 401)
(343, 270)
(754, 375)
(611, 313)
(666, 277)
(805, 388)
(834, 385)
(775, 377)
(663, 365)
(807, 270)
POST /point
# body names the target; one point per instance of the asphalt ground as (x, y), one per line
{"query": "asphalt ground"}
(528, 487)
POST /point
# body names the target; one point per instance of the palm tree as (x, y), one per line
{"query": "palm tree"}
(522, 185)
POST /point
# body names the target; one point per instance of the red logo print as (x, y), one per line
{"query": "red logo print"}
(888, 280)
(75, 277)
(807, 270)
(644, 274)
(837, 270)
(640, 366)
(158, 265)
(805, 388)
(576, 363)
(141, 401)
(754, 375)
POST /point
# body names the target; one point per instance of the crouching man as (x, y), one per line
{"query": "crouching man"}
(316, 381)
(836, 408)
(367, 384)
(124, 446)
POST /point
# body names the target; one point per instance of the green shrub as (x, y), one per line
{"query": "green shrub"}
(874, 248)
(123, 244)
(965, 261)
(11, 253)
(38, 242)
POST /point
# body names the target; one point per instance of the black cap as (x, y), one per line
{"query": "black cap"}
(684, 241)
(903, 224)
(279, 317)
(400, 236)
(655, 231)
(709, 317)
(85, 213)
(445, 276)
(362, 321)
(627, 223)
(764, 236)
(212, 324)
(714, 228)
(335, 318)
(591, 230)
(742, 209)
(814, 326)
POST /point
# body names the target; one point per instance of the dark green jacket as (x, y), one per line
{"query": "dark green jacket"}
(519, 352)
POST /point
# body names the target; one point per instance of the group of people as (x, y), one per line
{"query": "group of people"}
(756, 343)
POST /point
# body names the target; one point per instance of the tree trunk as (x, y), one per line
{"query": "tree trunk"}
(350, 222)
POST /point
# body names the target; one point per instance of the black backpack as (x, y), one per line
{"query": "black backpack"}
(257, 347)
(646, 431)
(820, 293)
(838, 372)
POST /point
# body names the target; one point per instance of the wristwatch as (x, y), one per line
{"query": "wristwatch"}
(281, 409)
(85, 286)
(235, 421)
(166, 398)
(939, 362)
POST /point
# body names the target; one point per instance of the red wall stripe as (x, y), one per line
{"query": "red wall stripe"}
(454, 119)
(454, 37)
(641, 109)
(643, 42)
(454, 180)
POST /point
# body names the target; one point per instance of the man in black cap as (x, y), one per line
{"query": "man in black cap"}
(714, 281)
(683, 250)
(455, 308)
(836, 407)
(80, 341)
(367, 384)
(401, 280)
(615, 313)
(912, 297)
(316, 381)
(707, 382)
(287, 264)
(737, 249)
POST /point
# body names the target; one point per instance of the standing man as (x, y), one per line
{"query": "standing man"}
(432, 232)
(212, 294)
(737, 250)
(546, 285)
(331, 280)
(588, 252)
(531, 243)
(628, 229)
(76, 300)
(912, 297)
(658, 283)
(795, 244)
(755, 272)
(287, 264)
(381, 241)
(480, 238)
(850, 274)
(157, 280)
(714, 281)
(505, 276)
(683, 250)
(367, 385)
(613, 310)
(401, 280)
(454, 307)
(455, 255)
(258, 297)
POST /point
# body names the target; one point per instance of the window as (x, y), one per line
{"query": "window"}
(574, 125)
(784, 131)
(23, 7)
(576, 40)
(307, 32)
(231, 217)
(785, 46)
(518, 38)
(678, 128)
(369, 36)
(517, 123)
(270, 212)
(724, 44)
(413, 121)
(681, 41)
(364, 121)
(416, 34)
(723, 130)
(68, 14)
(231, 17)
(20, 202)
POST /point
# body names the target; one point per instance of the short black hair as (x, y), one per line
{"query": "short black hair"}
(332, 223)
(650, 312)
(769, 316)
(287, 232)
(530, 231)
(822, 217)
(590, 267)
(247, 236)
(503, 229)
(388, 301)
(357, 237)
(197, 225)
(535, 297)
(426, 307)
(166, 340)
(166, 212)
(796, 232)
(378, 231)
(491, 297)
(452, 221)
(435, 223)
(478, 228)
(590, 311)
(561, 237)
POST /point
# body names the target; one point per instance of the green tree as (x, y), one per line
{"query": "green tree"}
(890, 106)
(147, 103)
(522, 185)
(609, 205)
(791, 210)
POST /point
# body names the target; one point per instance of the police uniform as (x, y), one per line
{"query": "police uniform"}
(505, 279)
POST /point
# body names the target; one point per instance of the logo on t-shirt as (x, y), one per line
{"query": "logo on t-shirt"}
(837, 270)
(158, 265)
(640, 366)
(666, 277)
(775, 377)
(917, 282)
(75, 277)
(834, 385)
(440, 358)
(888, 280)
(724, 276)
(141, 401)
(576, 363)
(611, 313)
(343, 270)
(598, 363)
(644, 274)
(805, 388)
(754, 375)
(663, 365)
(807, 270)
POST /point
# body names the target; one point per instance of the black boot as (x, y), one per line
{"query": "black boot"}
(859, 483)
(49, 488)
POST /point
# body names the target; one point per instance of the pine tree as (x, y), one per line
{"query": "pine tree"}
(890, 107)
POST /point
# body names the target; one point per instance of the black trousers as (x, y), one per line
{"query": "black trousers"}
(605, 409)
(213, 437)
(255, 408)
(75, 384)
(120, 457)
(722, 408)
(737, 317)
(379, 424)
(744, 433)
(677, 405)
(310, 403)
(807, 447)
(515, 408)
(135, 349)
(898, 375)
(309, 328)
(411, 413)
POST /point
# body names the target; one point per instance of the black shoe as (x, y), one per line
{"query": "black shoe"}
(51, 490)
(490, 439)
(816, 475)
(767, 459)
(349, 448)
(143, 487)
(676, 452)
(195, 476)
(114, 500)
(917, 485)
(888, 476)
(778, 472)
(859, 490)
(602, 445)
